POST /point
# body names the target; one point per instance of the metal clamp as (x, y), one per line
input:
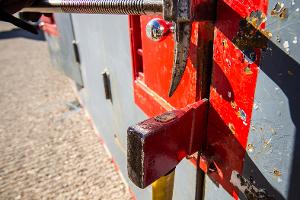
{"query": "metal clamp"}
(178, 12)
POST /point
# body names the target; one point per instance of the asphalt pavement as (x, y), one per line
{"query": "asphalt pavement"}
(48, 149)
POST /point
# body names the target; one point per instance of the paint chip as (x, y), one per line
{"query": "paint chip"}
(233, 104)
(241, 114)
(286, 46)
(293, 2)
(231, 127)
(279, 11)
(250, 147)
(276, 172)
(248, 70)
(224, 43)
(229, 94)
(295, 41)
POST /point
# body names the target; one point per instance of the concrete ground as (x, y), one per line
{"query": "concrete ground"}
(48, 150)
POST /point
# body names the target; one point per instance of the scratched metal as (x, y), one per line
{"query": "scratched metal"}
(273, 149)
(181, 50)
(285, 28)
(182, 39)
(248, 188)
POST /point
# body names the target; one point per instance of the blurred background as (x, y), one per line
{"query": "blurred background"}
(48, 147)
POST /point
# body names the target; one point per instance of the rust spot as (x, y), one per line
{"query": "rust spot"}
(233, 104)
(232, 128)
(248, 70)
(273, 131)
(276, 172)
(279, 11)
(290, 73)
(251, 35)
(250, 147)
(267, 144)
(224, 43)
(166, 117)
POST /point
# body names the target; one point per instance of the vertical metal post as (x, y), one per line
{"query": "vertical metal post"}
(162, 189)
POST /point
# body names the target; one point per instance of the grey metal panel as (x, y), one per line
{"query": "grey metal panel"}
(65, 57)
(97, 36)
(285, 31)
(185, 177)
(273, 154)
(215, 192)
(104, 45)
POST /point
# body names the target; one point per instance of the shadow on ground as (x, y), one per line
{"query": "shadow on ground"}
(20, 33)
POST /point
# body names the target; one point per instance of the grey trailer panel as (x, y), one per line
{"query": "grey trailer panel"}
(61, 48)
(273, 161)
(104, 46)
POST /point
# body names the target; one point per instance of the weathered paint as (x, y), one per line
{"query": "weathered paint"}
(109, 49)
(273, 161)
(232, 90)
(155, 146)
(272, 157)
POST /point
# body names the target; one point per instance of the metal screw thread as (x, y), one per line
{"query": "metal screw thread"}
(125, 7)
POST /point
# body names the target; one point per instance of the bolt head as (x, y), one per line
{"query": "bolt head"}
(157, 29)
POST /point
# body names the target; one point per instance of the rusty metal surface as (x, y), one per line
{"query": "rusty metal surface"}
(181, 51)
(156, 145)
(256, 50)
(232, 91)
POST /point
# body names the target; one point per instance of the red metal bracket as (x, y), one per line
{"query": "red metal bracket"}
(48, 25)
(156, 145)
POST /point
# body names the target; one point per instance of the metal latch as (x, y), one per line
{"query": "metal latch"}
(156, 145)
(178, 12)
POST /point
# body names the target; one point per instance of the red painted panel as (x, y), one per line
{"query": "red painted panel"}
(157, 64)
(232, 91)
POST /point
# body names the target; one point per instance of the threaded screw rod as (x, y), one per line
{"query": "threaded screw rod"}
(121, 7)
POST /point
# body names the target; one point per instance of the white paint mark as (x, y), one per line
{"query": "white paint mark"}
(229, 94)
(286, 46)
(255, 106)
(228, 62)
(297, 10)
(295, 41)
(293, 2)
(234, 179)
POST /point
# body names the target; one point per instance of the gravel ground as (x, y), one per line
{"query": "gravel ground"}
(48, 149)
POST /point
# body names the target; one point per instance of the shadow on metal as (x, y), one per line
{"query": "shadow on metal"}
(285, 72)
